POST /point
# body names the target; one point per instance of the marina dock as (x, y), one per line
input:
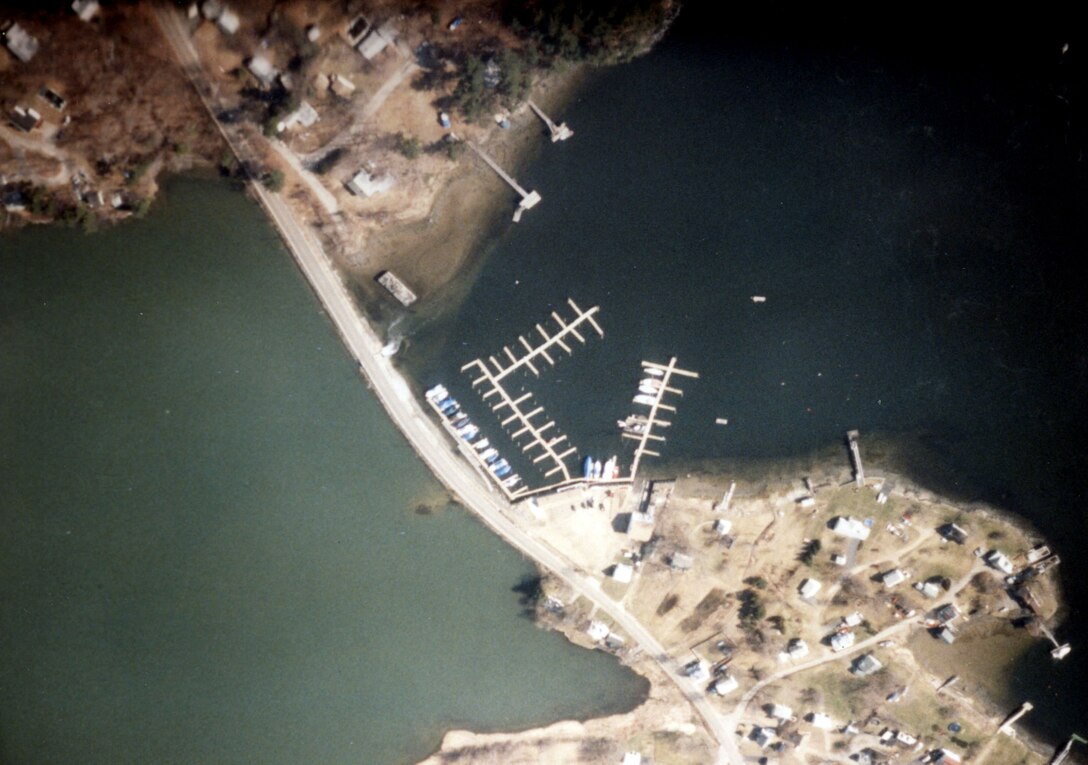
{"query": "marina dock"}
(558, 132)
(665, 373)
(529, 199)
(520, 413)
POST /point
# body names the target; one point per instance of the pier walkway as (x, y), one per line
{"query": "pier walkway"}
(558, 132)
(552, 445)
(529, 199)
(666, 372)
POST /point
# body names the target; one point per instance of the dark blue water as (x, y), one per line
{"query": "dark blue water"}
(914, 217)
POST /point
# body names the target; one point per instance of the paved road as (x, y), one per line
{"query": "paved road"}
(433, 446)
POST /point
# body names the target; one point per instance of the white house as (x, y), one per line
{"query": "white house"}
(597, 631)
(697, 670)
(893, 577)
(866, 665)
(724, 685)
(809, 587)
(821, 721)
(781, 712)
(378, 40)
(85, 9)
(622, 572)
(363, 184)
(261, 68)
(999, 561)
(851, 528)
(21, 43)
(632, 758)
(852, 620)
(840, 641)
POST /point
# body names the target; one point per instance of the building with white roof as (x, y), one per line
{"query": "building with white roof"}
(364, 184)
(597, 631)
(809, 587)
(999, 560)
(840, 641)
(893, 577)
(85, 9)
(820, 720)
(21, 43)
(797, 649)
(622, 572)
(724, 685)
(850, 528)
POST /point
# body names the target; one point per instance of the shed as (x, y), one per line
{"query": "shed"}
(52, 97)
(838, 560)
(622, 572)
(852, 620)
(866, 665)
(363, 184)
(946, 757)
(723, 526)
(893, 577)
(632, 758)
(341, 86)
(947, 635)
(809, 587)
(228, 21)
(850, 528)
(85, 9)
(21, 43)
(820, 720)
(797, 648)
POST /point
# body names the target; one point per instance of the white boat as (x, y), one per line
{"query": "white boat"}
(482, 444)
(649, 390)
(642, 398)
(437, 393)
(655, 371)
(652, 382)
(758, 299)
(609, 470)
(390, 348)
(597, 469)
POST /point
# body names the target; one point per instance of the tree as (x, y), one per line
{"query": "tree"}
(273, 181)
(408, 145)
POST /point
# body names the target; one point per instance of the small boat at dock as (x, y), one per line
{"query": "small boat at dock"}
(655, 371)
(644, 399)
(587, 467)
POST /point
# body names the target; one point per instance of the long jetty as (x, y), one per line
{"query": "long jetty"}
(529, 199)
(852, 437)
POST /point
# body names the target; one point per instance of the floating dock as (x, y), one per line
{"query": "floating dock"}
(663, 372)
(397, 288)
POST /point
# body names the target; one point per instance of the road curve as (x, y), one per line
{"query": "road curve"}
(429, 441)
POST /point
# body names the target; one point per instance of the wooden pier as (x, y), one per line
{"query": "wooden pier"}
(519, 412)
(666, 372)
(558, 132)
(529, 199)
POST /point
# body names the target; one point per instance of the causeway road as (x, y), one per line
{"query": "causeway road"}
(424, 434)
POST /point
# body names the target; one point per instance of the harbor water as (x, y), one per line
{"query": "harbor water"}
(910, 215)
(214, 545)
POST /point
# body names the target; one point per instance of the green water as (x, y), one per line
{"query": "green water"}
(209, 549)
